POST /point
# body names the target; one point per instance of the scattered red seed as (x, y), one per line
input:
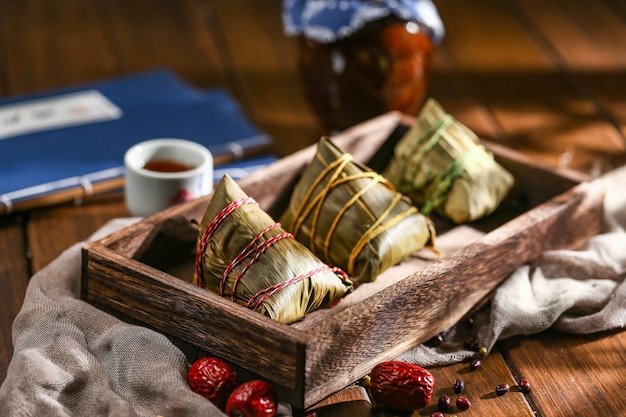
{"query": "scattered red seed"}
(502, 389)
(463, 403)
(524, 385)
(459, 385)
(472, 343)
(469, 343)
(437, 414)
(475, 364)
(436, 340)
(444, 403)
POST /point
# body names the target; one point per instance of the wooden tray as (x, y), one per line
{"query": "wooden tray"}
(142, 273)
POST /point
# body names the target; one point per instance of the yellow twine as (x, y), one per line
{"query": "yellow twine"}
(378, 228)
(430, 137)
(443, 182)
(376, 179)
(312, 205)
(304, 210)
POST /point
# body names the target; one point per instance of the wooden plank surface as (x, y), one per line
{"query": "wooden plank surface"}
(50, 232)
(66, 45)
(594, 65)
(181, 34)
(14, 274)
(262, 61)
(574, 374)
(542, 77)
(535, 101)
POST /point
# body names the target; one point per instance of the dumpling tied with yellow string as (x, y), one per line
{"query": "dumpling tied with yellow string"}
(441, 165)
(244, 256)
(352, 217)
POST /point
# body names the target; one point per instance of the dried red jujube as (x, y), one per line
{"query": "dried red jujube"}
(212, 378)
(254, 398)
(401, 385)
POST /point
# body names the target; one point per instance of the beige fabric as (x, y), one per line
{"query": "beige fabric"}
(72, 359)
(579, 292)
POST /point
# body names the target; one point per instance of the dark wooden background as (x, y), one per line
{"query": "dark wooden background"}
(544, 77)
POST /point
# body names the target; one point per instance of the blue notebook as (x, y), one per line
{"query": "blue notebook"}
(77, 136)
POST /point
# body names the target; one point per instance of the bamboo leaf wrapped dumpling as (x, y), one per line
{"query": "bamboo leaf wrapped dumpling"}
(352, 217)
(243, 255)
(440, 164)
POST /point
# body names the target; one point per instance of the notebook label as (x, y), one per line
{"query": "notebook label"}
(56, 112)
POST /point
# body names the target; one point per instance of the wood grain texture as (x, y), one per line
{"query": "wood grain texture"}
(14, 274)
(479, 390)
(574, 375)
(69, 45)
(539, 109)
(263, 60)
(201, 317)
(350, 401)
(150, 33)
(70, 224)
(594, 64)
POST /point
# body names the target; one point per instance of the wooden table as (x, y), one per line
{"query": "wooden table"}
(545, 78)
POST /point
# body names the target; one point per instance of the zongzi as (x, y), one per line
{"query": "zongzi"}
(352, 217)
(243, 255)
(441, 165)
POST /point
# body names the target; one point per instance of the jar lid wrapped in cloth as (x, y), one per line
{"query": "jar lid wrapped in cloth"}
(361, 58)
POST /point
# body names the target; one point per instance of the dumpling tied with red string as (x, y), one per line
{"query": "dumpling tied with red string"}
(245, 256)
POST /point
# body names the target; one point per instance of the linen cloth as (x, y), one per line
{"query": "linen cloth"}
(71, 359)
(573, 291)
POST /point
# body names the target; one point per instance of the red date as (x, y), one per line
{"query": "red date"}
(212, 378)
(252, 399)
(401, 385)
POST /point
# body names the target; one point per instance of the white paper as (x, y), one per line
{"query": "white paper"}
(56, 112)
